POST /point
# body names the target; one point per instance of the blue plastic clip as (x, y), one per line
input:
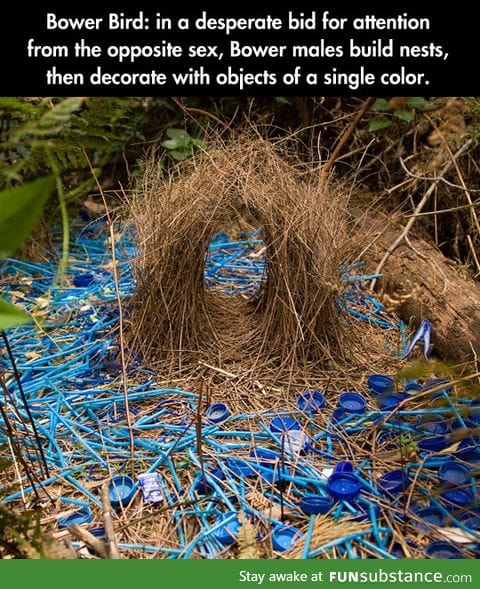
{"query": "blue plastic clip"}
(423, 334)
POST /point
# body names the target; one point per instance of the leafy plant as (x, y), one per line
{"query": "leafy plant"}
(404, 110)
(20, 208)
(180, 145)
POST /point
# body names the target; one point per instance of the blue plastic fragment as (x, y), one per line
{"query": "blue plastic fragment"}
(422, 335)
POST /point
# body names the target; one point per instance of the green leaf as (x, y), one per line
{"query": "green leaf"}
(381, 105)
(181, 154)
(378, 124)
(419, 103)
(405, 115)
(179, 135)
(10, 316)
(20, 208)
(170, 144)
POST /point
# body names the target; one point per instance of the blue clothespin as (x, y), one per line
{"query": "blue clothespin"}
(423, 334)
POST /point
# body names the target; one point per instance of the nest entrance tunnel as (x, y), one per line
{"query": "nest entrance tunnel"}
(235, 263)
(290, 314)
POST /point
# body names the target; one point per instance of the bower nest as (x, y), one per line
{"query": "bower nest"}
(293, 320)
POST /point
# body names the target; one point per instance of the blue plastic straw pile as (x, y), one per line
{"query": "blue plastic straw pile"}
(346, 455)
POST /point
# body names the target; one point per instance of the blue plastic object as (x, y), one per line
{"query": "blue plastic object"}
(422, 335)
(389, 439)
(389, 401)
(265, 456)
(121, 489)
(283, 424)
(380, 383)
(343, 466)
(343, 486)
(454, 473)
(81, 516)
(315, 504)
(217, 413)
(363, 510)
(434, 443)
(98, 532)
(434, 426)
(283, 537)
(227, 533)
(457, 497)
(83, 280)
(394, 481)
(338, 415)
(352, 402)
(435, 383)
(310, 401)
(442, 550)
(467, 446)
(412, 388)
(296, 442)
(430, 516)
(241, 468)
(471, 518)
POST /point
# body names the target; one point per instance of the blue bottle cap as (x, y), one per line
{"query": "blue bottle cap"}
(217, 412)
(434, 425)
(121, 489)
(311, 401)
(352, 402)
(343, 466)
(339, 415)
(434, 443)
(412, 388)
(442, 550)
(98, 532)
(283, 424)
(343, 486)
(453, 497)
(468, 445)
(265, 456)
(240, 467)
(380, 383)
(283, 537)
(471, 519)
(83, 280)
(430, 516)
(394, 481)
(433, 460)
(79, 517)
(227, 533)
(315, 504)
(454, 473)
(436, 382)
(389, 401)
(397, 549)
(388, 439)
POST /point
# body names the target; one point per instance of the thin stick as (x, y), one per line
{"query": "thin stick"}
(343, 139)
(92, 542)
(112, 548)
(418, 209)
(190, 109)
(120, 314)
